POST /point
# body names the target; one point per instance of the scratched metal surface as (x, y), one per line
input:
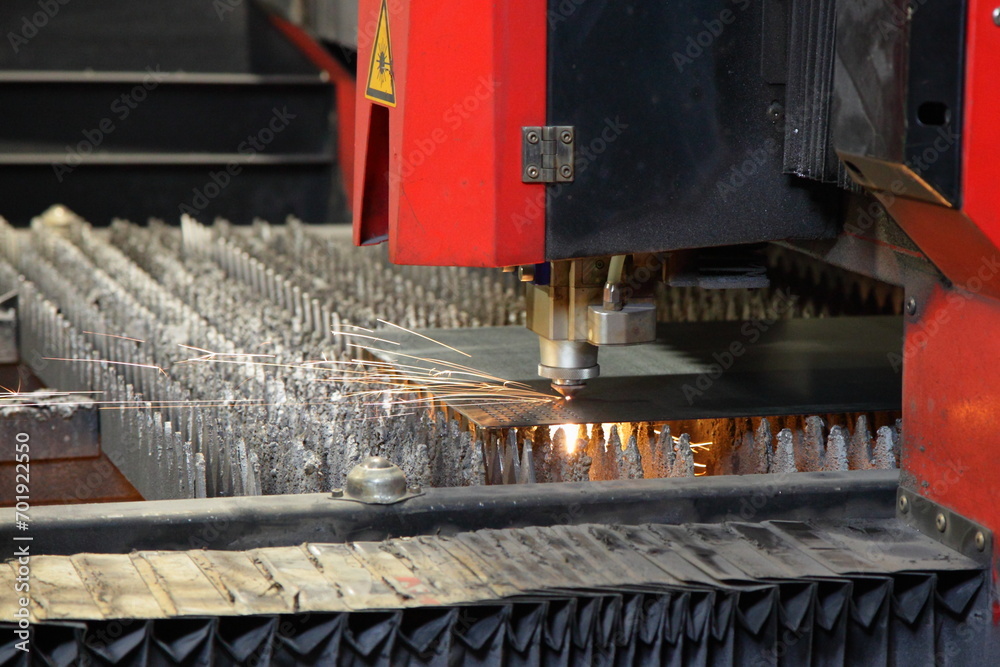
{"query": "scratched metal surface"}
(470, 568)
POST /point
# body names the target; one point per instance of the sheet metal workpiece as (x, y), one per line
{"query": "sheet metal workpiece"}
(700, 370)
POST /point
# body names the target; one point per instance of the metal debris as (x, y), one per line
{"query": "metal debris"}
(238, 427)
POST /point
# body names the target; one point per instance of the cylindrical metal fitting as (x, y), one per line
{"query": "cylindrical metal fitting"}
(376, 481)
(567, 359)
(613, 297)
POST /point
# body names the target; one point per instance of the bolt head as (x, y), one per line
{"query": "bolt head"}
(904, 504)
(532, 137)
(941, 522)
(566, 136)
(980, 540)
(911, 306)
(533, 172)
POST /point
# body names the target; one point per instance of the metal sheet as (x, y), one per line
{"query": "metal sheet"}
(693, 371)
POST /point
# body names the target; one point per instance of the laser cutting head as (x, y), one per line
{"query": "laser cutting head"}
(569, 364)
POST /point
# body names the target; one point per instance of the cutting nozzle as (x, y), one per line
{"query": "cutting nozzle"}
(569, 364)
(568, 389)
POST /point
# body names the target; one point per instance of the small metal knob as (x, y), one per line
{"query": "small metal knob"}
(941, 521)
(904, 504)
(376, 481)
(980, 540)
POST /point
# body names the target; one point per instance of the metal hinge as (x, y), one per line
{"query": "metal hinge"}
(547, 153)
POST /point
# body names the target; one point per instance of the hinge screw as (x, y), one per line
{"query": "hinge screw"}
(980, 540)
(566, 171)
(911, 306)
(904, 504)
(532, 172)
(941, 521)
(532, 137)
(566, 136)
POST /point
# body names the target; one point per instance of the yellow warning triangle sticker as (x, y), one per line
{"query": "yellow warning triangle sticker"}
(381, 74)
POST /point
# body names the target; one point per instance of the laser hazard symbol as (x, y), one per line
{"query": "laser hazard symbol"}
(381, 86)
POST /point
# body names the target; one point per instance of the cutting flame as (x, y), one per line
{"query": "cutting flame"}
(569, 432)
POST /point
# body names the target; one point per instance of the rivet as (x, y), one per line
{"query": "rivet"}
(532, 137)
(911, 306)
(533, 172)
(904, 504)
(941, 521)
(980, 540)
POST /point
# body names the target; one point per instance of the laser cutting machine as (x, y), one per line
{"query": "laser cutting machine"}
(702, 293)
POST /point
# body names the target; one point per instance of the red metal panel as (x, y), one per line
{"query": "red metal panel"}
(951, 389)
(951, 401)
(467, 77)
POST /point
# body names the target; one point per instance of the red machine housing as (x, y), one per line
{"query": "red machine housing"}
(439, 174)
(951, 392)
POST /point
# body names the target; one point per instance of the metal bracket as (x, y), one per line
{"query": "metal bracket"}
(547, 153)
(953, 530)
(411, 492)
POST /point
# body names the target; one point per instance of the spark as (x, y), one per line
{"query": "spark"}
(107, 361)
(436, 342)
(357, 335)
(95, 333)
(694, 445)
(354, 326)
